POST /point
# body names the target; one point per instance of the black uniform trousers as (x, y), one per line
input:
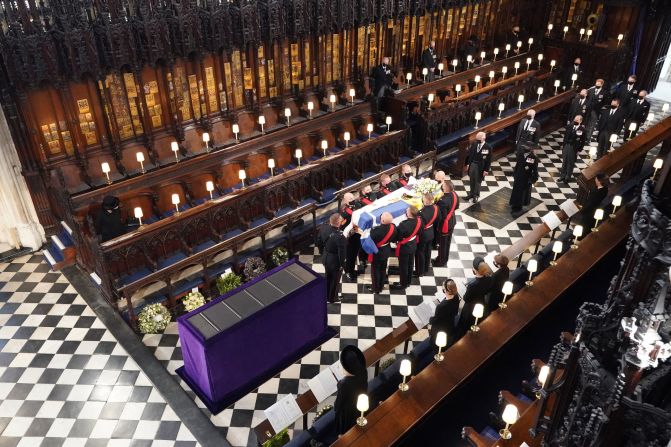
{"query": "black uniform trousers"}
(423, 257)
(379, 269)
(353, 251)
(406, 260)
(444, 242)
(474, 179)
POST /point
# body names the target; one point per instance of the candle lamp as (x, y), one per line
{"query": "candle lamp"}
(540, 60)
(106, 170)
(206, 140)
(140, 159)
(539, 92)
(612, 140)
(408, 78)
(520, 99)
(517, 67)
(509, 416)
(657, 165)
(325, 146)
(478, 116)
(565, 31)
(441, 342)
(441, 67)
(175, 201)
(617, 201)
(425, 72)
(619, 39)
(589, 34)
(352, 94)
(557, 248)
(550, 26)
(552, 65)
(287, 114)
(598, 216)
(504, 71)
(362, 406)
(332, 99)
(507, 49)
(482, 57)
(632, 129)
(651, 117)
(299, 155)
(492, 74)
(574, 77)
(271, 166)
(242, 175)
(209, 186)
(388, 122)
(582, 33)
(346, 137)
(405, 370)
(138, 214)
(430, 98)
(530, 42)
(532, 267)
(556, 84)
(507, 290)
(236, 130)
(457, 88)
(528, 63)
(665, 107)
(577, 234)
(369, 126)
(477, 81)
(502, 107)
(542, 378)
(174, 147)
(496, 53)
(262, 121)
(455, 62)
(311, 107)
(469, 59)
(478, 312)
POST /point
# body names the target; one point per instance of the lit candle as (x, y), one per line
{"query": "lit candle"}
(441, 67)
(589, 33)
(408, 77)
(507, 290)
(346, 137)
(242, 175)
(352, 94)
(543, 375)
(405, 370)
(632, 129)
(574, 77)
(206, 140)
(509, 416)
(520, 99)
(582, 33)
(209, 186)
(325, 146)
(519, 44)
(140, 159)
(540, 92)
(455, 62)
(530, 42)
(540, 59)
(311, 106)
(657, 165)
(388, 121)
(441, 342)
(369, 128)
(565, 31)
(507, 49)
(175, 201)
(482, 58)
(502, 107)
(532, 267)
(287, 114)
(271, 165)
(504, 70)
(362, 406)
(236, 130)
(496, 53)
(138, 214)
(577, 234)
(477, 81)
(556, 84)
(478, 312)
(430, 98)
(598, 216)
(469, 59)
(332, 98)
(492, 73)
(528, 63)
(106, 170)
(425, 72)
(457, 88)
(557, 248)
(262, 121)
(552, 64)
(550, 26)
(478, 116)
(517, 67)
(619, 39)
(174, 146)
(299, 155)
(617, 201)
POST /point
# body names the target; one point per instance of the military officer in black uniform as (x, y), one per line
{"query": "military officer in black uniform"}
(574, 141)
(332, 246)
(448, 205)
(406, 245)
(383, 78)
(429, 215)
(404, 177)
(610, 123)
(638, 113)
(526, 174)
(429, 60)
(382, 235)
(366, 196)
(598, 98)
(627, 93)
(477, 163)
(579, 106)
(528, 132)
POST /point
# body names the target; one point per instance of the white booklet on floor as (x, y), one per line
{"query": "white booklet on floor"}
(283, 413)
(323, 384)
(420, 315)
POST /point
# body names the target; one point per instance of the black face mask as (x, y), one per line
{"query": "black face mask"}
(597, 87)
(577, 123)
(530, 118)
(613, 106)
(630, 82)
(582, 96)
(641, 98)
(576, 64)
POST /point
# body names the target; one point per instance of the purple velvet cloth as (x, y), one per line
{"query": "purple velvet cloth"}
(241, 357)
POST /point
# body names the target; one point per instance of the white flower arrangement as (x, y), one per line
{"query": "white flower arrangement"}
(153, 319)
(193, 301)
(424, 186)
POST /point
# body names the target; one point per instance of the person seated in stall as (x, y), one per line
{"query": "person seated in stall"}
(477, 290)
(445, 316)
(108, 224)
(366, 196)
(354, 383)
(385, 187)
(499, 277)
(405, 178)
(593, 202)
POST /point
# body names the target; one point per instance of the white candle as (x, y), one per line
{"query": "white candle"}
(491, 74)
(552, 64)
(242, 174)
(140, 158)
(262, 121)
(388, 121)
(138, 214)
(271, 165)
(520, 99)
(299, 155)
(496, 52)
(209, 186)
(175, 199)
(540, 92)
(425, 71)
(619, 39)
(332, 99)
(287, 114)
(408, 77)
(565, 31)
(106, 170)
(430, 98)
(440, 68)
(352, 94)
(206, 140)
(236, 130)
(311, 106)
(517, 67)
(174, 146)
(369, 128)
(346, 137)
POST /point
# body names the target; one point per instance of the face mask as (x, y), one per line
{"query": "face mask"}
(577, 123)
(530, 117)
(577, 64)
(582, 96)
(598, 86)
(630, 82)
(641, 98)
(613, 106)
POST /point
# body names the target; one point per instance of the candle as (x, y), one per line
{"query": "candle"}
(262, 121)
(140, 158)
(589, 33)
(528, 63)
(530, 41)
(552, 64)
(502, 107)
(346, 137)
(507, 49)
(657, 165)
(388, 121)
(619, 39)
(478, 116)
(209, 186)
(287, 114)
(271, 165)
(491, 75)
(425, 71)
(540, 59)
(236, 130)
(332, 99)
(138, 214)
(496, 53)
(174, 146)
(457, 88)
(408, 77)
(556, 84)
(482, 58)
(311, 106)
(325, 146)
(369, 127)
(455, 62)
(565, 31)
(430, 98)
(440, 69)
(206, 140)
(550, 26)
(517, 67)
(175, 201)
(520, 99)
(574, 77)
(477, 81)
(582, 33)
(504, 70)
(352, 94)
(242, 175)
(106, 170)
(299, 154)
(540, 92)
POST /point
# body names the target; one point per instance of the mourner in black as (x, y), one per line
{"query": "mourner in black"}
(598, 99)
(383, 79)
(579, 106)
(570, 71)
(429, 215)
(350, 387)
(526, 174)
(516, 35)
(349, 205)
(499, 277)
(638, 114)
(627, 92)
(593, 202)
(385, 187)
(332, 246)
(470, 48)
(448, 204)
(108, 222)
(407, 236)
(477, 164)
(382, 235)
(477, 290)
(610, 123)
(528, 133)
(445, 316)
(430, 60)
(574, 141)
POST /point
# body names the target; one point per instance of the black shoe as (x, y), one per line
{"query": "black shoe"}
(350, 277)
(371, 290)
(468, 197)
(397, 286)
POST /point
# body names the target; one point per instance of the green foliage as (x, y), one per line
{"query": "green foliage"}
(280, 256)
(228, 282)
(278, 440)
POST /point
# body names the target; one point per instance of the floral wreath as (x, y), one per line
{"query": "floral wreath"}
(254, 267)
(193, 301)
(153, 319)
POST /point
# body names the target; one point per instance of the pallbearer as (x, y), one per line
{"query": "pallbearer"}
(526, 174)
(404, 178)
(332, 246)
(382, 236)
(429, 215)
(366, 196)
(406, 245)
(448, 205)
(349, 205)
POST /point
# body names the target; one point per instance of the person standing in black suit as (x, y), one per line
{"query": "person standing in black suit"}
(627, 93)
(598, 99)
(478, 162)
(593, 202)
(382, 235)
(407, 235)
(571, 70)
(470, 48)
(516, 35)
(354, 383)
(477, 290)
(332, 246)
(499, 277)
(383, 79)
(526, 174)
(528, 133)
(429, 60)
(574, 141)
(429, 215)
(610, 123)
(579, 106)
(638, 113)
(349, 205)
(445, 315)
(108, 224)
(448, 205)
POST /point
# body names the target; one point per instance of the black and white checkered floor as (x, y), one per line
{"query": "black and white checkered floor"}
(66, 381)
